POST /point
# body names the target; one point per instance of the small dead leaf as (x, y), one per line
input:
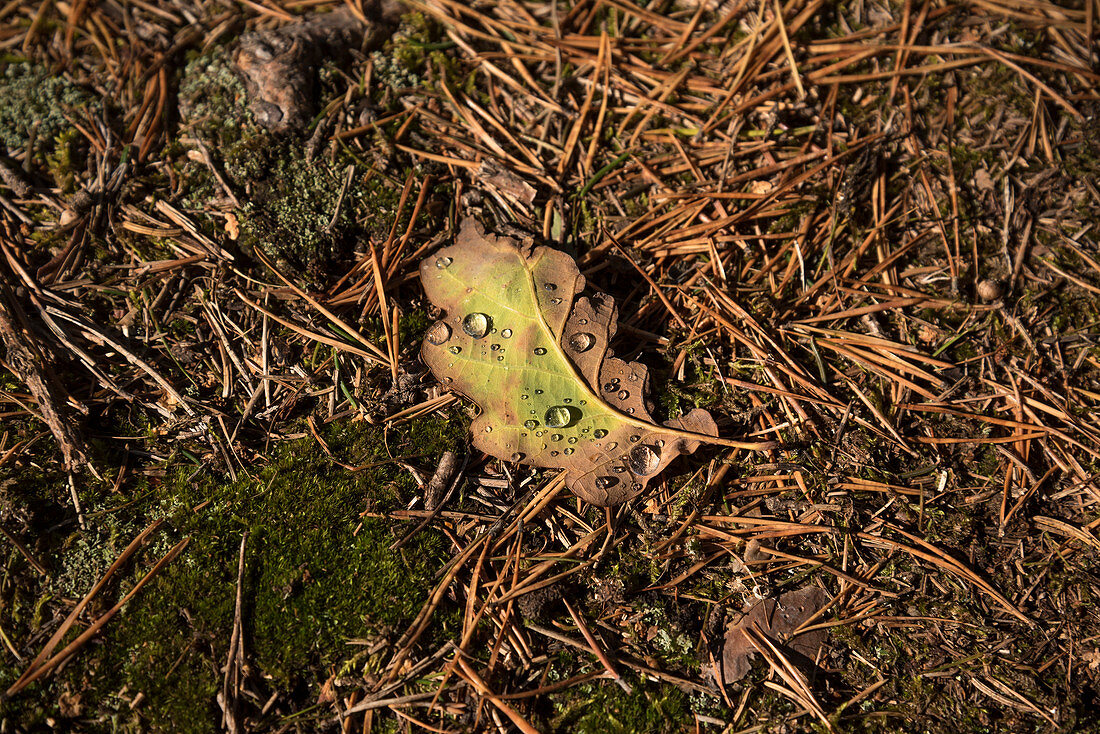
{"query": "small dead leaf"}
(507, 184)
(776, 618)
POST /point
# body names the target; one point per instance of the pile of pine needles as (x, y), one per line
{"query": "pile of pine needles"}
(866, 230)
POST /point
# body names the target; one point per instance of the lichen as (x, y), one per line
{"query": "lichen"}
(35, 103)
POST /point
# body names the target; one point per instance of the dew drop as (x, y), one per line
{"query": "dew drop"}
(488, 429)
(525, 396)
(583, 322)
(643, 460)
(634, 439)
(611, 387)
(517, 456)
(659, 443)
(630, 411)
(555, 301)
(501, 359)
(494, 347)
(558, 416)
(623, 394)
(455, 349)
(618, 469)
(613, 445)
(540, 351)
(582, 402)
(571, 439)
(553, 453)
(551, 286)
(599, 433)
(540, 434)
(443, 262)
(507, 333)
(538, 392)
(532, 424)
(439, 333)
(555, 437)
(633, 377)
(635, 486)
(567, 400)
(582, 341)
(476, 324)
(447, 380)
(567, 452)
(605, 482)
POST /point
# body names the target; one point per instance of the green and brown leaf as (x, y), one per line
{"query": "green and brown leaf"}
(520, 341)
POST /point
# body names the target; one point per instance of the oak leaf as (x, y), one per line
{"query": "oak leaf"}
(519, 340)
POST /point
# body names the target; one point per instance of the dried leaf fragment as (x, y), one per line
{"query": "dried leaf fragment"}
(518, 340)
(777, 619)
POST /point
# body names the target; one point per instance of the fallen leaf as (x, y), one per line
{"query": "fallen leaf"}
(777, 619)
(518, 340)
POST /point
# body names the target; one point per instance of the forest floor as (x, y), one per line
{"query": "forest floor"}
(233, 497)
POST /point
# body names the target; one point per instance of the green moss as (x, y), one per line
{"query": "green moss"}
(319, 572)
(607, 709)
(34, 102)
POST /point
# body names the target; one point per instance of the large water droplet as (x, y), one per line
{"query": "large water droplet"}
(507, 333)
(623, 394)
(599, 433)
(443, 262)
(540, 351)
(531, 424)
(643, 460)
(517, 456)
(455, 349)
(476, 324)
(558, 417)
(567, 452)
(555, 437)
(439, 333)
(582, 341)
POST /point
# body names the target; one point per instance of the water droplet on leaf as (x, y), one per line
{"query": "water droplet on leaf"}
(555, 437)
(643, 460)
(532, 424)
(443, 262)
(567, 452)
(571, 439)
(494, 347)
(439, 333)
(476, 324)
(550, 287)
(488, 429)
(558, 417)
(599, 433)
(623, 394)
(582, 341)
(455, 349)
(613, 445)
(553, 453)
(634, 439)
(507, 333)
(517, 456)
(555, 301)
(605, 482)
(540, 351)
